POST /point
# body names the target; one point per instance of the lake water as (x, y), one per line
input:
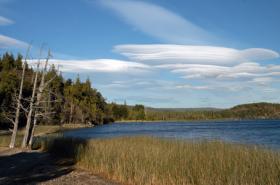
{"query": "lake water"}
(260, 132)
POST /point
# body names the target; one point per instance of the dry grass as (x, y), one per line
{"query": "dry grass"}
(147, 161)
(5, 140)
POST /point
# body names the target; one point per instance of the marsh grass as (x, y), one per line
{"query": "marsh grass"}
(147, 161)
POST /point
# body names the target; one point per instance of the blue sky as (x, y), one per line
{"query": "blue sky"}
(159, 53)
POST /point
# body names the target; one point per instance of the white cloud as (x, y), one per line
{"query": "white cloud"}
(264, 81)
(187, 86)
(5, 21)
(269, 90)
(158, 22)
(8, 42)
(243, 70)
(141, 83)
(99, 65)
(168, 53)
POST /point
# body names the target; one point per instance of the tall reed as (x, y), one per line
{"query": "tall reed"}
(147, 161)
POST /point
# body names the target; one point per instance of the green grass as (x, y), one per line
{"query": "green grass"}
(147, 161)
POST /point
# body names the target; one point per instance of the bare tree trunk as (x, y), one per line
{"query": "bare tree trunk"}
(29, 117)
(33, 130)
(14, 134)
(13, 138)
(47, 104)
(71, 112)
(39, 97)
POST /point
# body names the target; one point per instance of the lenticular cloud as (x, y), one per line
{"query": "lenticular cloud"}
(193, 54)
(98, 65)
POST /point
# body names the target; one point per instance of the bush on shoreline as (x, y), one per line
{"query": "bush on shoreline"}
(147, 160)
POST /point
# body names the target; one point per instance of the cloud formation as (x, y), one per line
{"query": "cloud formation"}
(196, 60)
(243, 70)
(5, 21)
(192, 87)
(200, 69)
(264, 81)
(98, 65)
(209, 69)
(192, 54)
(158, 22)
(8, 42)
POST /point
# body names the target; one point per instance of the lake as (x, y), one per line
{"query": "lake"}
(258, 132)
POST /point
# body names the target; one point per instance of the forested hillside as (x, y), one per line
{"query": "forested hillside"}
(246, 111)
(256, 111)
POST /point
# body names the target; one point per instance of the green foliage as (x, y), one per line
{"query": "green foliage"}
(67, 102)
(126, 112)
(10, 73)
(120, 112)
(83, 103)
(137, 112)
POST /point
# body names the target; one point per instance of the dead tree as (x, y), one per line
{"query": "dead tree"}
(29, 116)
(36, 100)
(39, 114)
(15, 122)
(41, 89)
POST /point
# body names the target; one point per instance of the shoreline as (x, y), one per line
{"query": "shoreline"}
(181, 121)
(64, 127)
(40, 130)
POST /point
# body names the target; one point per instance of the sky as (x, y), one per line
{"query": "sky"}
(160, 53)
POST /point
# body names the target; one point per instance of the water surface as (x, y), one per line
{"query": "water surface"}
(259, 132)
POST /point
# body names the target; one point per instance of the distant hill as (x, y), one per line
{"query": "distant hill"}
(245, 111)
(257, 110)
(184, 109)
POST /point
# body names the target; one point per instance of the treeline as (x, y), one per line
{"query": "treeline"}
(246, 111)
(124, 112)
(153, 115)
(64, 101)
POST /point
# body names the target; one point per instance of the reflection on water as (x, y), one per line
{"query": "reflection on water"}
(260, 132)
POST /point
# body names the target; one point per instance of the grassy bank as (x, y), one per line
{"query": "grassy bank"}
(40, 130)
(145, 160)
